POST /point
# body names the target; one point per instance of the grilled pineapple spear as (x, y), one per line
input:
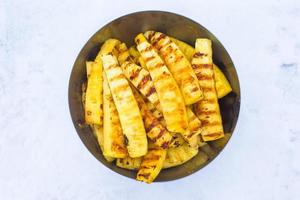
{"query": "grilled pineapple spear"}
(222, 85)
(169, 95)
(129, 113)
(93, 96)
(179, 155)
(194, 124)
(114, 144)
(158, 134)
(208, 109)
(179, 66)
(98, 131)
(151, 164)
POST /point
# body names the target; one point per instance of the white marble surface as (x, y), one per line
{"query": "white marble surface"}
(41, 156)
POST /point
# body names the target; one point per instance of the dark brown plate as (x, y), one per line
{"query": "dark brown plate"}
(125, 29)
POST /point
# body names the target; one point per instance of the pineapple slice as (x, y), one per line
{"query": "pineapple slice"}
(194, 124)
(129, 113)
(93, 95)
(208, 109)
(169, 95)
(151, 164)
(179, 155)
(114, 144)
(179, 66)
(222, 85)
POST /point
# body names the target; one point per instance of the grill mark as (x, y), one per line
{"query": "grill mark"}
(192, 133)
(178, 58)
(125, 65)
(208, 101)
(146, 176)
(203, 77)
(196, 129)
(151, 91)
(199, 54)
(151, 158)
(159, 47)
(164, 145)
(146, 49)
(194, 89)
(176, 143)
(147, 167)
(154, 42)
(148, 59)
(206, 66)
(138, 40)
(165, 52)
(208, 123)
(143, 82)
(129, 58)
(207, 89)
(157, 65)
(152, 124)
(211, 112)
(152, 149)
(160, 134)
(195, 66)
(167, 47)
(135, 73)
(213, 134)
(159, 36)
(202, 66)
(150, 35)
(156, 105)
(163, 76)
(160, 118)
(111, 67)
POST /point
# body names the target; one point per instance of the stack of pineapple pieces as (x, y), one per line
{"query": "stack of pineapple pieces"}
(155, 105)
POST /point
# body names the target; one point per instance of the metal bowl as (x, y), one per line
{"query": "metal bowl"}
(125, 29)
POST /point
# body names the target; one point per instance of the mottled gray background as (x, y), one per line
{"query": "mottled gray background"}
(41, 156)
